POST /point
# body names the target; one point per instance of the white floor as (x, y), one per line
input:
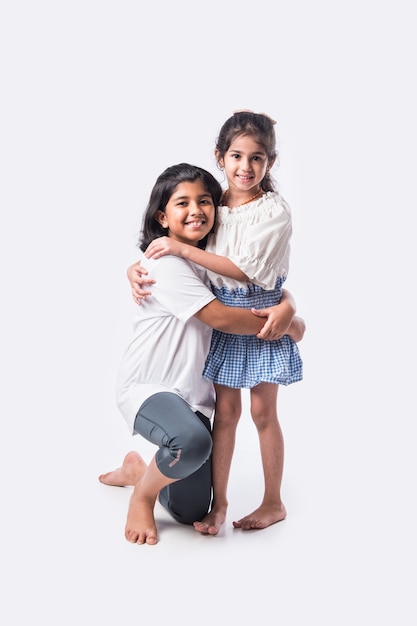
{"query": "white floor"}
(344, 555)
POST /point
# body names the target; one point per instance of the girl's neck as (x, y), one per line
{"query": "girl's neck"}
(230, 200)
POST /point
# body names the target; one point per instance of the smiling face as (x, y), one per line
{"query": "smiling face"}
(245, 164)
(189, 213)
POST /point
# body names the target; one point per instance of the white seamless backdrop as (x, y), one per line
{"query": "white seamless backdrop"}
(98, 98)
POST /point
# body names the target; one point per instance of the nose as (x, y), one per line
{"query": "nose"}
(196, 210)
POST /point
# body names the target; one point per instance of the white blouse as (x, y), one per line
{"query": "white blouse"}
(256, 237)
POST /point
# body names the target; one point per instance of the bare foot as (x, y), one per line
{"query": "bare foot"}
(264, 516)
(140, 525)
(130, 473)
(210, 525)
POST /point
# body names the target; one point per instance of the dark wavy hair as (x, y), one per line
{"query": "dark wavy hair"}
(256, 125)
(162, 191)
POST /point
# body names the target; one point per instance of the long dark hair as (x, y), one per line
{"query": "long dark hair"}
(162, 191)
(257, 125)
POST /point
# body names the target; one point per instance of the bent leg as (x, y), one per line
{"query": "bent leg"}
(189, 499)
(183, 458)
(184, 454)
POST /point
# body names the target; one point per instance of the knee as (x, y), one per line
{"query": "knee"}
(262, 419)
(196, 447)
(185, 454)
(228, 415)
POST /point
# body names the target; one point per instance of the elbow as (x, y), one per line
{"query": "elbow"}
(299, 329)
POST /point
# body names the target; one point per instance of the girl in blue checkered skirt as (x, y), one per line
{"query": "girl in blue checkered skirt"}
(247, 259)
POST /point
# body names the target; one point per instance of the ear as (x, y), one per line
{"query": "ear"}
(220, 161)
(270, 164)
(161, 217)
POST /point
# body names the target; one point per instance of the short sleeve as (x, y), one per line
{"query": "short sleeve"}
(181, 287)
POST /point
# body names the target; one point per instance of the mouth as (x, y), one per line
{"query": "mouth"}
(245, 179)
(195, 224)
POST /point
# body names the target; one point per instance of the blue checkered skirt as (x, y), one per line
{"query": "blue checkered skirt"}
(243, 361)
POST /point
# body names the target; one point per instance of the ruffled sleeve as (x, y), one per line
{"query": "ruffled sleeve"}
(256, 237)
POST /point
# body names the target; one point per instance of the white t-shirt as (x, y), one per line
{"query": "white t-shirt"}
(169, 346)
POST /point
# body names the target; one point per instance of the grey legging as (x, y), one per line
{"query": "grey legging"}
(184, 441)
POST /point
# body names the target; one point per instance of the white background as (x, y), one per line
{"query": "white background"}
(98, 97)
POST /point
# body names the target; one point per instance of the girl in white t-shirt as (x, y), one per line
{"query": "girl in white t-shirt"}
(161, 391)
(247, 259)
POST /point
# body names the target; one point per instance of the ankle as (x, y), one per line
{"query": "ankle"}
(219, 505)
